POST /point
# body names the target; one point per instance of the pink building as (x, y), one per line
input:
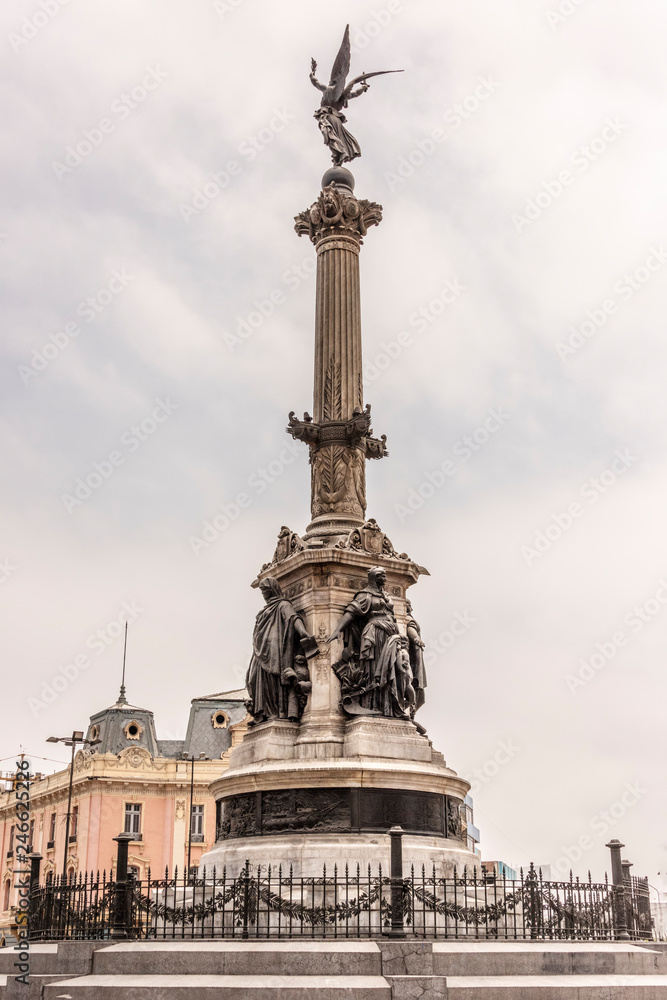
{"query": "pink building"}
(130, 782)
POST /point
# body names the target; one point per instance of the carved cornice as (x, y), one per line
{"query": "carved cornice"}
(337, 213)
(349, 433)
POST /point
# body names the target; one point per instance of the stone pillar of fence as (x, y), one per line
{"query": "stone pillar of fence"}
(397, 926)
(121, 923)
(629, 901)
(620, 910)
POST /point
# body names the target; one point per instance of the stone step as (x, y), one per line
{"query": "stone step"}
(42, 958)
(537, 958)
(547, 988)
(15, 990)
(234, 958)
(194, 987)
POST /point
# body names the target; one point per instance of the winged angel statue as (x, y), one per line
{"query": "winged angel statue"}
(335, 96)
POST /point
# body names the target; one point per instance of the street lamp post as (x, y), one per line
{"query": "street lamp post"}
(191, 757)
(70, 741)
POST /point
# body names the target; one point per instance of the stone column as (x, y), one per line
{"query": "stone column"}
(338, 377)
(339, 434)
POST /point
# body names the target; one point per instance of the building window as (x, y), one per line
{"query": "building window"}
(94, 732)
(219, 719)
(132, 730)
(197, 823)
(11, 842)
(52, 831)
(70, 874)
(74, 823)
(133, 818)
(5, 902)
(31, 838)
(133, 870)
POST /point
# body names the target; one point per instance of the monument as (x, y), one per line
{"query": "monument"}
(334, 756)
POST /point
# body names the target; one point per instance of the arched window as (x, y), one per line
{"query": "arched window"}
(70, 874)
(5, 901)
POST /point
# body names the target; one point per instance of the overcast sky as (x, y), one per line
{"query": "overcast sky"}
(521, 162)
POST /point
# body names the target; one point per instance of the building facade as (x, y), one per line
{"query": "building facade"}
(132, 782)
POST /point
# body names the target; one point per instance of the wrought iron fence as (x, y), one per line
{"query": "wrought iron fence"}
(638, 903)
(273, 903)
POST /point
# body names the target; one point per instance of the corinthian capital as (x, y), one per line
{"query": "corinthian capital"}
(338, 213)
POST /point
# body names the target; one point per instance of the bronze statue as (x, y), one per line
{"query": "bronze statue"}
(278, 681)
(344, 147)
(374, 669)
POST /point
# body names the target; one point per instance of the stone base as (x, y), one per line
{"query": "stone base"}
(355, 738)
(273, 740)
(393, 739)
(307, 853)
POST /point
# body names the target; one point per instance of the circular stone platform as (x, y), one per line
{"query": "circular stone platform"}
(338, 810)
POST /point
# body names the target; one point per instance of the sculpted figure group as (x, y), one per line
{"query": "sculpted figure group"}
(381, 671)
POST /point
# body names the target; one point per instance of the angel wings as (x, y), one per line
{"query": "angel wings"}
(335, 97)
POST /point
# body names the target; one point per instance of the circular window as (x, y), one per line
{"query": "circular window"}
(132, 730)
(219, 719)
(94, 732)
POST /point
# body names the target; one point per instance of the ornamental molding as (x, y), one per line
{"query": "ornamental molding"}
(337, 213)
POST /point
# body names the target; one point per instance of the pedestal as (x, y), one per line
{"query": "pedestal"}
(329, 788)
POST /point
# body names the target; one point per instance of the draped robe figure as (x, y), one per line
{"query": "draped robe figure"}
(275, 688)
(374, 669)
(335, 96)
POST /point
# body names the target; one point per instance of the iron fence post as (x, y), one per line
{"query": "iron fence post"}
(532, 889)
(620, 924)
(246, 897)
(35, 862)
(397, 929)
(121, 900)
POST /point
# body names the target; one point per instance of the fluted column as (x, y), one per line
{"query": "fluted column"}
(338, 376)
